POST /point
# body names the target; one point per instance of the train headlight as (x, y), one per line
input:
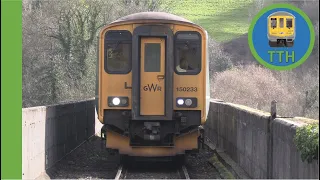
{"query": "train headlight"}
(188, 102)
(116, 101)
(180, 101)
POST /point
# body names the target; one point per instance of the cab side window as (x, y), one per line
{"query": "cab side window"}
(273, 23)
(289, 23)
(187, 52)
(117, 52)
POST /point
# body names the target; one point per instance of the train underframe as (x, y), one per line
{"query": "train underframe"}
(281, 43)
(152, 138)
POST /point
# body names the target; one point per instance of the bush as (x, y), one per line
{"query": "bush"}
(256, 87)
(220, 60)
(307, 142)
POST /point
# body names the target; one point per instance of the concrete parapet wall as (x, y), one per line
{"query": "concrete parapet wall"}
(287, 162)
(243, 133)
(51, 132)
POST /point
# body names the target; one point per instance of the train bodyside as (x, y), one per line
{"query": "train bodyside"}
(149, 105)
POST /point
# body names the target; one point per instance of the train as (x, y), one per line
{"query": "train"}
(152, 85)
(281, 29)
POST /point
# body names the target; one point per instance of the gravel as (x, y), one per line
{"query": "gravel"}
(152, 170)
(92, 161)
(198, 166)
(89, 161)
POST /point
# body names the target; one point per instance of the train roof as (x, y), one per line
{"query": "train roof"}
(281, 13)
(153, 16)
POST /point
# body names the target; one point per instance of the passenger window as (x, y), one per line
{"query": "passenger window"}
(273, 23)
(289, 23)
(281, 23)
(117, 52)
(188, 53)
(152, 57)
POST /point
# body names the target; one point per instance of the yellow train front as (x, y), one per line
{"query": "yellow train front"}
(281, 29)
(152, 84)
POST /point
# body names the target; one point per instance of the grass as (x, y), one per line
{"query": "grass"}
(223, 19)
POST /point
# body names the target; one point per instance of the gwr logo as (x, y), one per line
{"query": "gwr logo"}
(152, 87)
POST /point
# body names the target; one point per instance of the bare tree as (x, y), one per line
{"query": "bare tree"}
(59, 45)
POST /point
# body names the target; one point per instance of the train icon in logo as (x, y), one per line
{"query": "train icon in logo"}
(281, 29)
(281, 37)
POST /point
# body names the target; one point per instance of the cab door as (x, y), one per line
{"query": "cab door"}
(152, 76)
(282, 28)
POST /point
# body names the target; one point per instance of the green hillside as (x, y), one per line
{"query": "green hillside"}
(223, 19)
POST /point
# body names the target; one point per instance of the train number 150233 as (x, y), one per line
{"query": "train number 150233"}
(187, 89)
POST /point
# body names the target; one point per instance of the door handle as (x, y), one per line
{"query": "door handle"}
(160, 76)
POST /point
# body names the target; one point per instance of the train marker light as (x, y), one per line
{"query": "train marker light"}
(188, 102)
(123, 101)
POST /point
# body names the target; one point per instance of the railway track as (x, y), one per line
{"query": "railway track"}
(178, 173)
(121, 173)
(185, 174)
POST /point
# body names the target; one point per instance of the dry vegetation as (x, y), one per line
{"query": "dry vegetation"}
(59, 56)
(257, 86)
(59, 45)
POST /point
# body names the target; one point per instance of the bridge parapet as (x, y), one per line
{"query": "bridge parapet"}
(261, 148)
(51, 132)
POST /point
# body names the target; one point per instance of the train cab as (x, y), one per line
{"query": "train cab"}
(152, 93)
